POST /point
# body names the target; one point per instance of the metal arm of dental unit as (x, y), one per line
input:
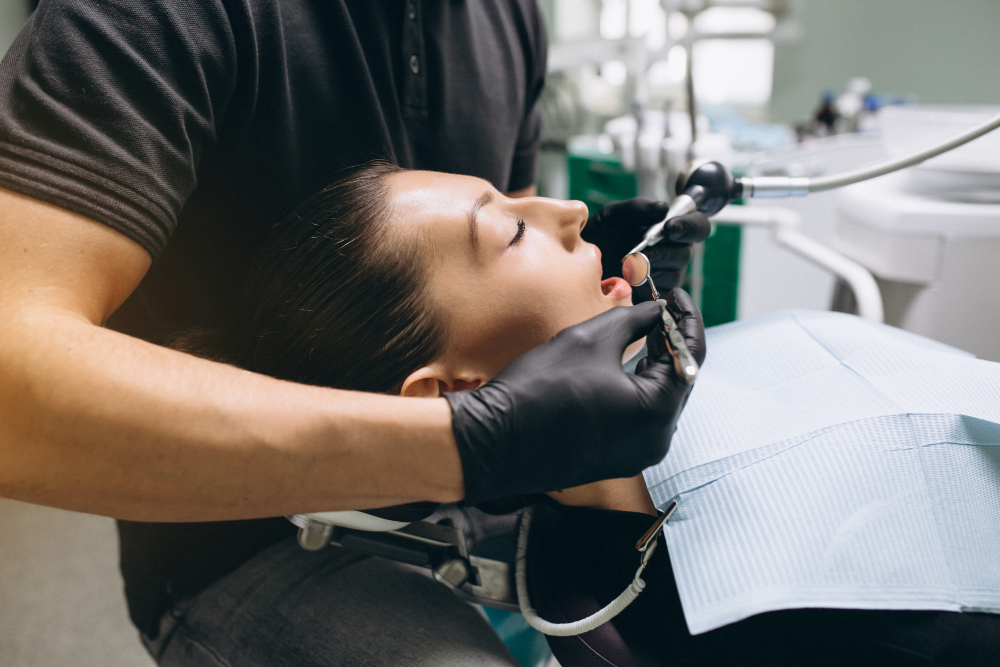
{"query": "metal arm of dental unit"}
(438, 547)
(784, 224)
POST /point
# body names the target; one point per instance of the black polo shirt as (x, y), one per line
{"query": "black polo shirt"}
(193, 126)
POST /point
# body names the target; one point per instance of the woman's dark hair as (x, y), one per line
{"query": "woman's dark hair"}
(338, 295)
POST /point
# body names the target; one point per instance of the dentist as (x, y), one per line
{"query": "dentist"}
(145, 149)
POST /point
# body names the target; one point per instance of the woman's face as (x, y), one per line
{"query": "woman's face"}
(509, 273)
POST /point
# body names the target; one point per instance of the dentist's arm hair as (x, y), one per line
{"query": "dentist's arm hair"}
(96, 421)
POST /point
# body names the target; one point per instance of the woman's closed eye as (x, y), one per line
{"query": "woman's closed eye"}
(520, 233)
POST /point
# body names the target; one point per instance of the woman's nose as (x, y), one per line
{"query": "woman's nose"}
(562, 219)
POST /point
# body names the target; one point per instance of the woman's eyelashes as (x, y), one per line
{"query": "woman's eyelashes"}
(520, 233)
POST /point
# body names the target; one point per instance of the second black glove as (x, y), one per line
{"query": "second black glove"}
(618, 227)
(565, 413)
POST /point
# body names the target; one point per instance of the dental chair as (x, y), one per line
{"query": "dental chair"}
(482, 571)
(476, 564)
(487, 578)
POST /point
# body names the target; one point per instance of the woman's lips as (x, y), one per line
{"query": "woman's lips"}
(616, 288)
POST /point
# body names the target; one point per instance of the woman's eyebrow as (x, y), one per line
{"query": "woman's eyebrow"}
(483, 200)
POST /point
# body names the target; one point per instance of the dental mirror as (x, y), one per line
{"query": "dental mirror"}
(636, 271)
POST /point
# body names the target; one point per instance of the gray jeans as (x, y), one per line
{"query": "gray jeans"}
(287, 606)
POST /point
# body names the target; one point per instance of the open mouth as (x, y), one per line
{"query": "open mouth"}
(616, 288)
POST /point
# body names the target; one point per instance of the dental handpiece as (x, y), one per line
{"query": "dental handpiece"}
(708, 186)
(682, 206)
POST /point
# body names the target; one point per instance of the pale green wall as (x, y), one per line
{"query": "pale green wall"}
(12, 16)
(944, 51)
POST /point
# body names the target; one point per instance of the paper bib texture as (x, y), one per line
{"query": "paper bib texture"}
(825, 461)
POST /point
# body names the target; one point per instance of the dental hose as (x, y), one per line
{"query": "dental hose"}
(708, 186)
(883, 168)
(583, 625)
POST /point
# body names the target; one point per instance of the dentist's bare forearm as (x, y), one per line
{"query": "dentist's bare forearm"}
(96, 421)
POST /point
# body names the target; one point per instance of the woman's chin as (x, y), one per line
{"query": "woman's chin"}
(617, 290)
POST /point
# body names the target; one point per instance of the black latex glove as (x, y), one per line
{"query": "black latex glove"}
(618, 227)
(689, 323)
(566, 414)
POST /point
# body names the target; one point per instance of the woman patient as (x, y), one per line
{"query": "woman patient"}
(420, 283)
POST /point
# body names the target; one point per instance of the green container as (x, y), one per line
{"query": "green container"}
(597, 182)
(597, 178)
(721, 270)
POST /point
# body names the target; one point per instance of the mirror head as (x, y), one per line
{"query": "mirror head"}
(635, 269)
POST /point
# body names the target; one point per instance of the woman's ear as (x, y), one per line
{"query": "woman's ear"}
(423, 383)
(433, 380)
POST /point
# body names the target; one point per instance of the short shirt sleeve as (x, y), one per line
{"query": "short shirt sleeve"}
(106, 107)
(530, 134)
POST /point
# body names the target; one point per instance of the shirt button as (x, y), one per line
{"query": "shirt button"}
(412, 11)
(414, 65)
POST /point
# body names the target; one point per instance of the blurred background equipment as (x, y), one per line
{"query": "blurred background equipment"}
(638, 88)
(931, 234)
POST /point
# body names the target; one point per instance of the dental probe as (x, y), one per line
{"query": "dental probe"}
(637, 271)
(684, 362)
(708, 186)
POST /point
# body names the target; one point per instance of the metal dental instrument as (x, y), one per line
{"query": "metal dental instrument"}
(654, 530)
(637, 271)
(683, 205)
(708, 186)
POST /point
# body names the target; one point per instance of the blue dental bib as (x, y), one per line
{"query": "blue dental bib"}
(825, 461)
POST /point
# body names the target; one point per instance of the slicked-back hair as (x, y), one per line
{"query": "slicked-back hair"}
(338, 296)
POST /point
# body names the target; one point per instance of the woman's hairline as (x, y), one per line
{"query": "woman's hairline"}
(424, 254)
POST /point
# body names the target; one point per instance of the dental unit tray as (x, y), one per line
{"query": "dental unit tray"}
(441, 548)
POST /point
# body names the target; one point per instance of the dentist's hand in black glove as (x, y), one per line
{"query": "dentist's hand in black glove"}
(619, 226)
(565, 413)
